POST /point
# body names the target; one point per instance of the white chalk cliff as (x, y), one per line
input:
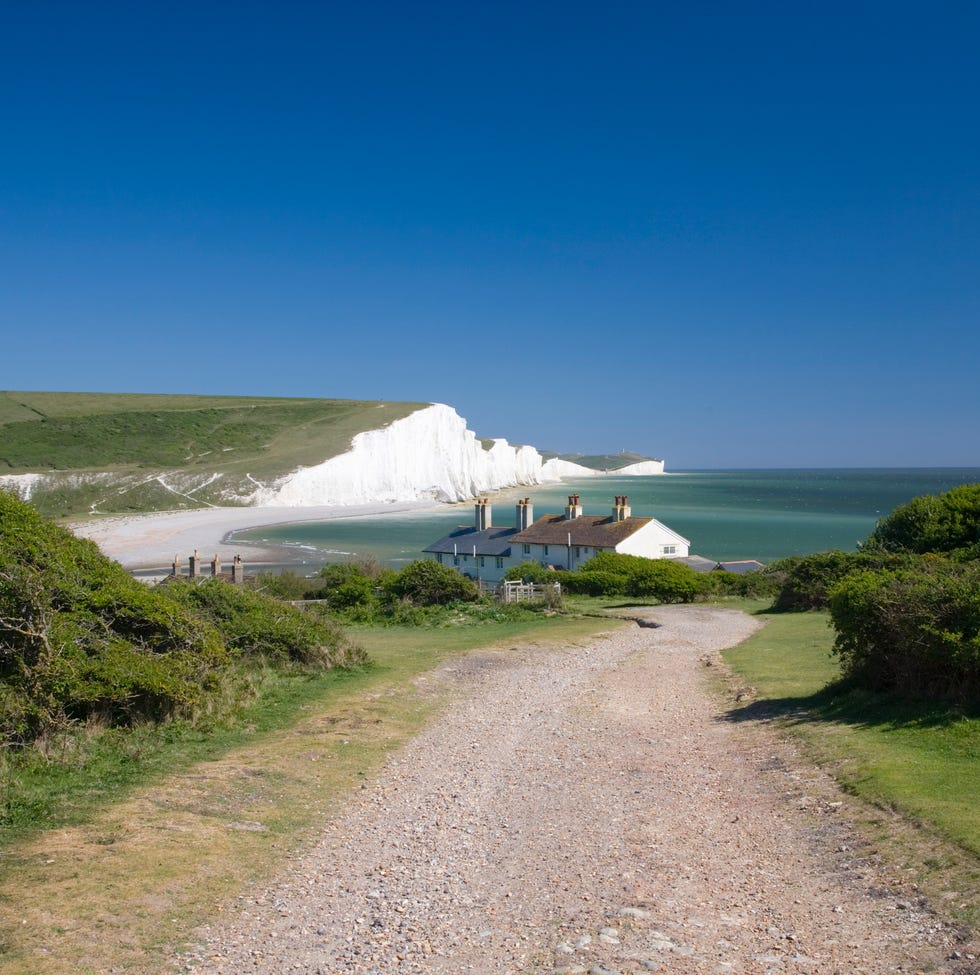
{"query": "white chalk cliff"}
(429, 455)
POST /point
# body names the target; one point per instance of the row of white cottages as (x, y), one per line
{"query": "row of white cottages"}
(563, 541)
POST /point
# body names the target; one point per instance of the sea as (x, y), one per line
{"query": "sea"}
(727, 515)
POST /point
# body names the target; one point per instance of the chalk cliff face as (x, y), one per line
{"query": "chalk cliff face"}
(428, 455)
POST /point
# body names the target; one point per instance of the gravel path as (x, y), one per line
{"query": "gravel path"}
(585, 810)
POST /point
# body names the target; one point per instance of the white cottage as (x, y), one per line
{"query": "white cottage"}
(479, 551)
(566, 541)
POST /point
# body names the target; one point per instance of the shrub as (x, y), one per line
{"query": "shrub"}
(947, 523)
(80, 638)
(914, 630)
(746, 585)
(254, 624)
(530, 572)
(612, 574)
(288, 585)
(805, 581)
(426, 582)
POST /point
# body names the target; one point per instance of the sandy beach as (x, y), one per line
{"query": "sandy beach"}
(150, 541)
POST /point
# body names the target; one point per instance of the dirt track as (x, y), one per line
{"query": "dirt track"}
(587, 810)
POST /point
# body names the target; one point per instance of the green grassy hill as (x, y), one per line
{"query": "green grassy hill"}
(600, 462)
(108, 451)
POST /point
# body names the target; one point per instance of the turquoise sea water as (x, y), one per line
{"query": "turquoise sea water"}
(726, 514)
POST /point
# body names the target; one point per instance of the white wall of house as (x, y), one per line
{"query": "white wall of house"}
(563, 556)
(655, 541)
(488, 568)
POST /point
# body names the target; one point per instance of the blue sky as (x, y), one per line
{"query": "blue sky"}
(724, 234)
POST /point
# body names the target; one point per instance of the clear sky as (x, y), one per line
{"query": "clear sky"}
(726, 234)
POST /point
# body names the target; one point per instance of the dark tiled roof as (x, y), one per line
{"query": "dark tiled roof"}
(598, 531)
(490, 541)
(742, 566)
(698, 562)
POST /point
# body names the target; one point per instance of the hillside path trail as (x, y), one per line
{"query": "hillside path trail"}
(589, 809)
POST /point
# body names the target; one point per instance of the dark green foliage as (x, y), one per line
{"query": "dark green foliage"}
(530, 572)
(948, 523)
(594, 583)
(80, 638)
(747, 585)
(914, 630)
(287, 585)
(429, 583)
(255, 624)
(612, 574)
(805, 580)
(347, 584)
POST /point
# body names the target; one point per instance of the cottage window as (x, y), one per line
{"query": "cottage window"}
(439, 558)
(455, 560)
(670, 549)
(527, 549)
(545, 550)
(500, 563)
(483, 561)
(578, 552)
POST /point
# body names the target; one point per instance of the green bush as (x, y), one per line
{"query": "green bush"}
(947, 523)
(594, 583)
(256, 625)
(426, 582)
(347, 584)
(914, 630)
(805, 581)
(612, 574)
(530, 572)
(747, 585)
(287, 585)
(80, 638)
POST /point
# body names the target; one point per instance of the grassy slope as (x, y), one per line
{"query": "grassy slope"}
(920, 760)
(135, 437)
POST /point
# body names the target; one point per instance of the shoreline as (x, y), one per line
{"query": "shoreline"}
(151, 540)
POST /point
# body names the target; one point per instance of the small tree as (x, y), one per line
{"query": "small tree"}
(429, 583)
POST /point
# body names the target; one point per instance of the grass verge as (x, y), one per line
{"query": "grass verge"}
(133, 869)
(916, 765)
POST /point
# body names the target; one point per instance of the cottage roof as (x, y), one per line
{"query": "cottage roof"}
(698, 562)
(742, 566)
(489, 541)
(598, 531)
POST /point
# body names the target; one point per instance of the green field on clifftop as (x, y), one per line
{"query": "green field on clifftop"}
(108, 451)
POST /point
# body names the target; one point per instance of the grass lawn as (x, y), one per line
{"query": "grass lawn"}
(158, 832)
(920, 760)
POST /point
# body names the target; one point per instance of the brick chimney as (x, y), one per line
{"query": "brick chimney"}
(621, 510)
(482, 514)
(573, 509)
(525, 514)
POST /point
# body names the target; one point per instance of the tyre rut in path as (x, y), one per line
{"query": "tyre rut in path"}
(582, 810)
